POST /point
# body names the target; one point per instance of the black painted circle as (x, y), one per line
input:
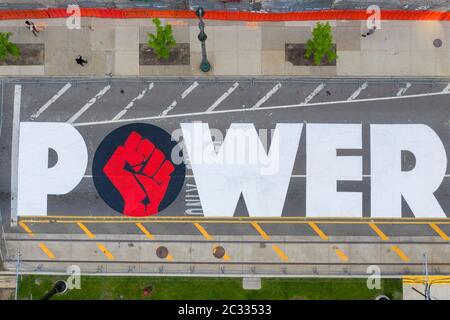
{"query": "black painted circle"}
(160, 138)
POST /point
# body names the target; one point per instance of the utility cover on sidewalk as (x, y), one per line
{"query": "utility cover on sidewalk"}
(251, 283)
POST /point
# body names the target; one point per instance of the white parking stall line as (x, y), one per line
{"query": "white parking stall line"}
(358, 91)
(223, 97)
(131, 103)
(313, 93)
(89, 104)
(166, 111)
(183, 95)
(402, 91)
(447, 88)
(15, 152)
(189, 90)
(49, 102)
(267, 96)
(326, 103)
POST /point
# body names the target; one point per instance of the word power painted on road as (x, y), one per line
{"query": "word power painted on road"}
(139, 169)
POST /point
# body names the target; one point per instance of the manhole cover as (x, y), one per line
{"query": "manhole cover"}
(218, 252)
(437, 43)
(162, 252)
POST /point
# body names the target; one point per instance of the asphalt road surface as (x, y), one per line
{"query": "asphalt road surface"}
(96, 107)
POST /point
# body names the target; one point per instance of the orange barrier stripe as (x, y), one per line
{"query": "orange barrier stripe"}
(134, 13)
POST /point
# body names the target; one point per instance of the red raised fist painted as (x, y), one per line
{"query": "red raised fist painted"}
(141, 174)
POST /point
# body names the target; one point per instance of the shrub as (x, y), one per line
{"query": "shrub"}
(7, 48)
(163, 41)
(321, 44)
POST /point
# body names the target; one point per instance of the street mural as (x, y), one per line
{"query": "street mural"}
(139, 169)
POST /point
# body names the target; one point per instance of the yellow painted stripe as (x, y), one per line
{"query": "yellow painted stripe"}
(319, 232)
(169, 257)
(280, 252)
(226, 257)
(144, 230)
(342, 256)
(378, 231)
(86, 230)
(431, 279)
(203, 231)
(400, 253)
(439, 231)
(47, 251)
(105, 251)
(260, 230)
(26, 228)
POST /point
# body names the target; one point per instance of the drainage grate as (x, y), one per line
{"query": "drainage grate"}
(162, 252)
(437, 43)
(218, 252)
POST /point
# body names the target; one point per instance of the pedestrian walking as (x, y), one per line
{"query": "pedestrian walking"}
(371, 31)
(32, 27)
(79, 60)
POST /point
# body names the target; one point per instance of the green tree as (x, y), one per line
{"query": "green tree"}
(7, 48)
(163, 41)
(321, 44)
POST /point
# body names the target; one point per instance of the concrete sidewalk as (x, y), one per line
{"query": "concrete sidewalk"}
(400, 48)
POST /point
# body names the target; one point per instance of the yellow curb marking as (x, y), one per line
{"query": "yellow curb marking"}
(280, 253)
(400, 253)
(226, 257)
(319, 232)
(169, 257)
(260, 230)
(105, 251)
(431, 279)
(378, 231)
(47, 251)
(439, 231)
(275, 248)
(203, 231)
(26, 228)
(86, 230)
(342, 256)
(144, 230)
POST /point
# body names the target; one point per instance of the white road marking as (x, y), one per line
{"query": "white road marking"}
(267, 96)
(131, 103)
(402, 91)
(223, 97)
(87, 176)
(182, 115)
(166, 111)
(314, 93)
(183, 95)
(447, 88)
(15, 152)
(358, 91)
(89, 104)
(49, 102)
(189, 90)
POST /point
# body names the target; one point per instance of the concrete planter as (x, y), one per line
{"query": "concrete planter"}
(295, 54)
(179, 55)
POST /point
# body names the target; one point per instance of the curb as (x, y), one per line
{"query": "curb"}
(132, 13)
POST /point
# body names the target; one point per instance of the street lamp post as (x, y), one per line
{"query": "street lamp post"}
(204, 65)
